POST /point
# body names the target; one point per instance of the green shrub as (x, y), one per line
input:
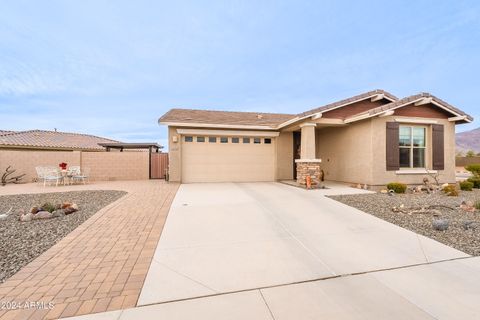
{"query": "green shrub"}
(451, 190)
(397, 187)
(466, 185)
(474, 169)
(475, 181)
(477, 205)
(47, 206)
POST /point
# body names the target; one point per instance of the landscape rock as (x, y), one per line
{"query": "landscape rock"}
(42, 215)
(467, 206)
(69, 210)
(34, 209)
(384, 191)
(66, 205)
(58, 213)
(470, 225)
(440, 224)
(26, 217)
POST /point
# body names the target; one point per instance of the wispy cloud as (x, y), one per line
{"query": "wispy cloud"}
(113, 68)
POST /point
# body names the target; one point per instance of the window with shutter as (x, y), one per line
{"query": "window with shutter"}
(393, 156)
(438, 146)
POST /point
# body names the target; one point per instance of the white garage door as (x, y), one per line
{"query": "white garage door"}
(227, 159)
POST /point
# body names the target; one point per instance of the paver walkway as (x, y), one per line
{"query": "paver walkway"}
(102, 264)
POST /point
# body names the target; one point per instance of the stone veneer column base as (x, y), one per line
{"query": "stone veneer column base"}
(310, 167)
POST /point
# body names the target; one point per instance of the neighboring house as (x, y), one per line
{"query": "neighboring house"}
(373, 138)
(51, 141)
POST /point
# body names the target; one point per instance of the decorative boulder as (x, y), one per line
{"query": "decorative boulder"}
(66, 205)
(69, 210)
(58, 213)
(440, 224)
(34, 209)
(467, 206)
(470, 225)
(42, 215)
(384, 191)
(26, 217)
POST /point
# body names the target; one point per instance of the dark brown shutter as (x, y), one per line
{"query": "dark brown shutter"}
(438, 146)
(393, 153)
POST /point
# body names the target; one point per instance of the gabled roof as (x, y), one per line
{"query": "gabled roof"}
(412, 99)
(228, 118)
(350, 100)
(275, 121)
(39, 139)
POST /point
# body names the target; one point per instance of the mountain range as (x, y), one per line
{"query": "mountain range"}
(468, 140)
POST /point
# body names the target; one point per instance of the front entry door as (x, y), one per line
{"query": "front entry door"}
(297, 142)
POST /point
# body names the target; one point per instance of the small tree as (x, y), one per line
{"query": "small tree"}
(470, 153)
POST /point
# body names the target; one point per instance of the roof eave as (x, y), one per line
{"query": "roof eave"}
(214, 125)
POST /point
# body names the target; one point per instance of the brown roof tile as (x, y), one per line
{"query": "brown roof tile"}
(52, 139)
(225, 117)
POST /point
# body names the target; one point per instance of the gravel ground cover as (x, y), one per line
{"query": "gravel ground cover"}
(21, 242)
(463, 232)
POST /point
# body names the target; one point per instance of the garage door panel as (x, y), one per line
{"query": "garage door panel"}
(219, 162)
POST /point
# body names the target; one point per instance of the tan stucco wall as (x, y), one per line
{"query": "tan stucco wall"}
(381, 176)
(346, 152)
(357, 153)
(25, 161)
(117, 165)
(103, 165)
(174, 155)
(284, 156)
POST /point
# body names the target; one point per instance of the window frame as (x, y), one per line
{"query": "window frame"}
(246, 140)
(412, 147)
(257, 140)
(235, 140)
(223, 139)
(212, 139)
(187, 139)
(201, 138)
(267, 139)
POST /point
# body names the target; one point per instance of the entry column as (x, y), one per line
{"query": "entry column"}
(308, 165)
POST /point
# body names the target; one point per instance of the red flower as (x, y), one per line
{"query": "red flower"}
(63, 165)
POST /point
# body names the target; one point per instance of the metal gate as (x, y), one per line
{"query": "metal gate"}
(158, 165)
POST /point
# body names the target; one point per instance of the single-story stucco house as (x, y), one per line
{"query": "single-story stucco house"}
(373, 138)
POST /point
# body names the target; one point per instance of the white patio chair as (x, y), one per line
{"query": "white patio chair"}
(73, 171)
(40, 173)
(52, 175)
(82, 175)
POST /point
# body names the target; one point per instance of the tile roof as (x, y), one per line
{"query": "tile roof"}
(2, 132)
(350, 100)
(225, 117)
(273, 120)
(408, 100)
(52, 139)
(254, 118)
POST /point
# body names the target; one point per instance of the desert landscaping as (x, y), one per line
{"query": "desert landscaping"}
(32, 223)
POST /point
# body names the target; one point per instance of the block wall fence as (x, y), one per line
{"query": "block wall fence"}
(103, 166)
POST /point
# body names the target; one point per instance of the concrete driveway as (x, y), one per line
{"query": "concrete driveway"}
(226, 237)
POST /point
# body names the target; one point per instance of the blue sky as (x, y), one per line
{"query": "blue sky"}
(112, 68)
